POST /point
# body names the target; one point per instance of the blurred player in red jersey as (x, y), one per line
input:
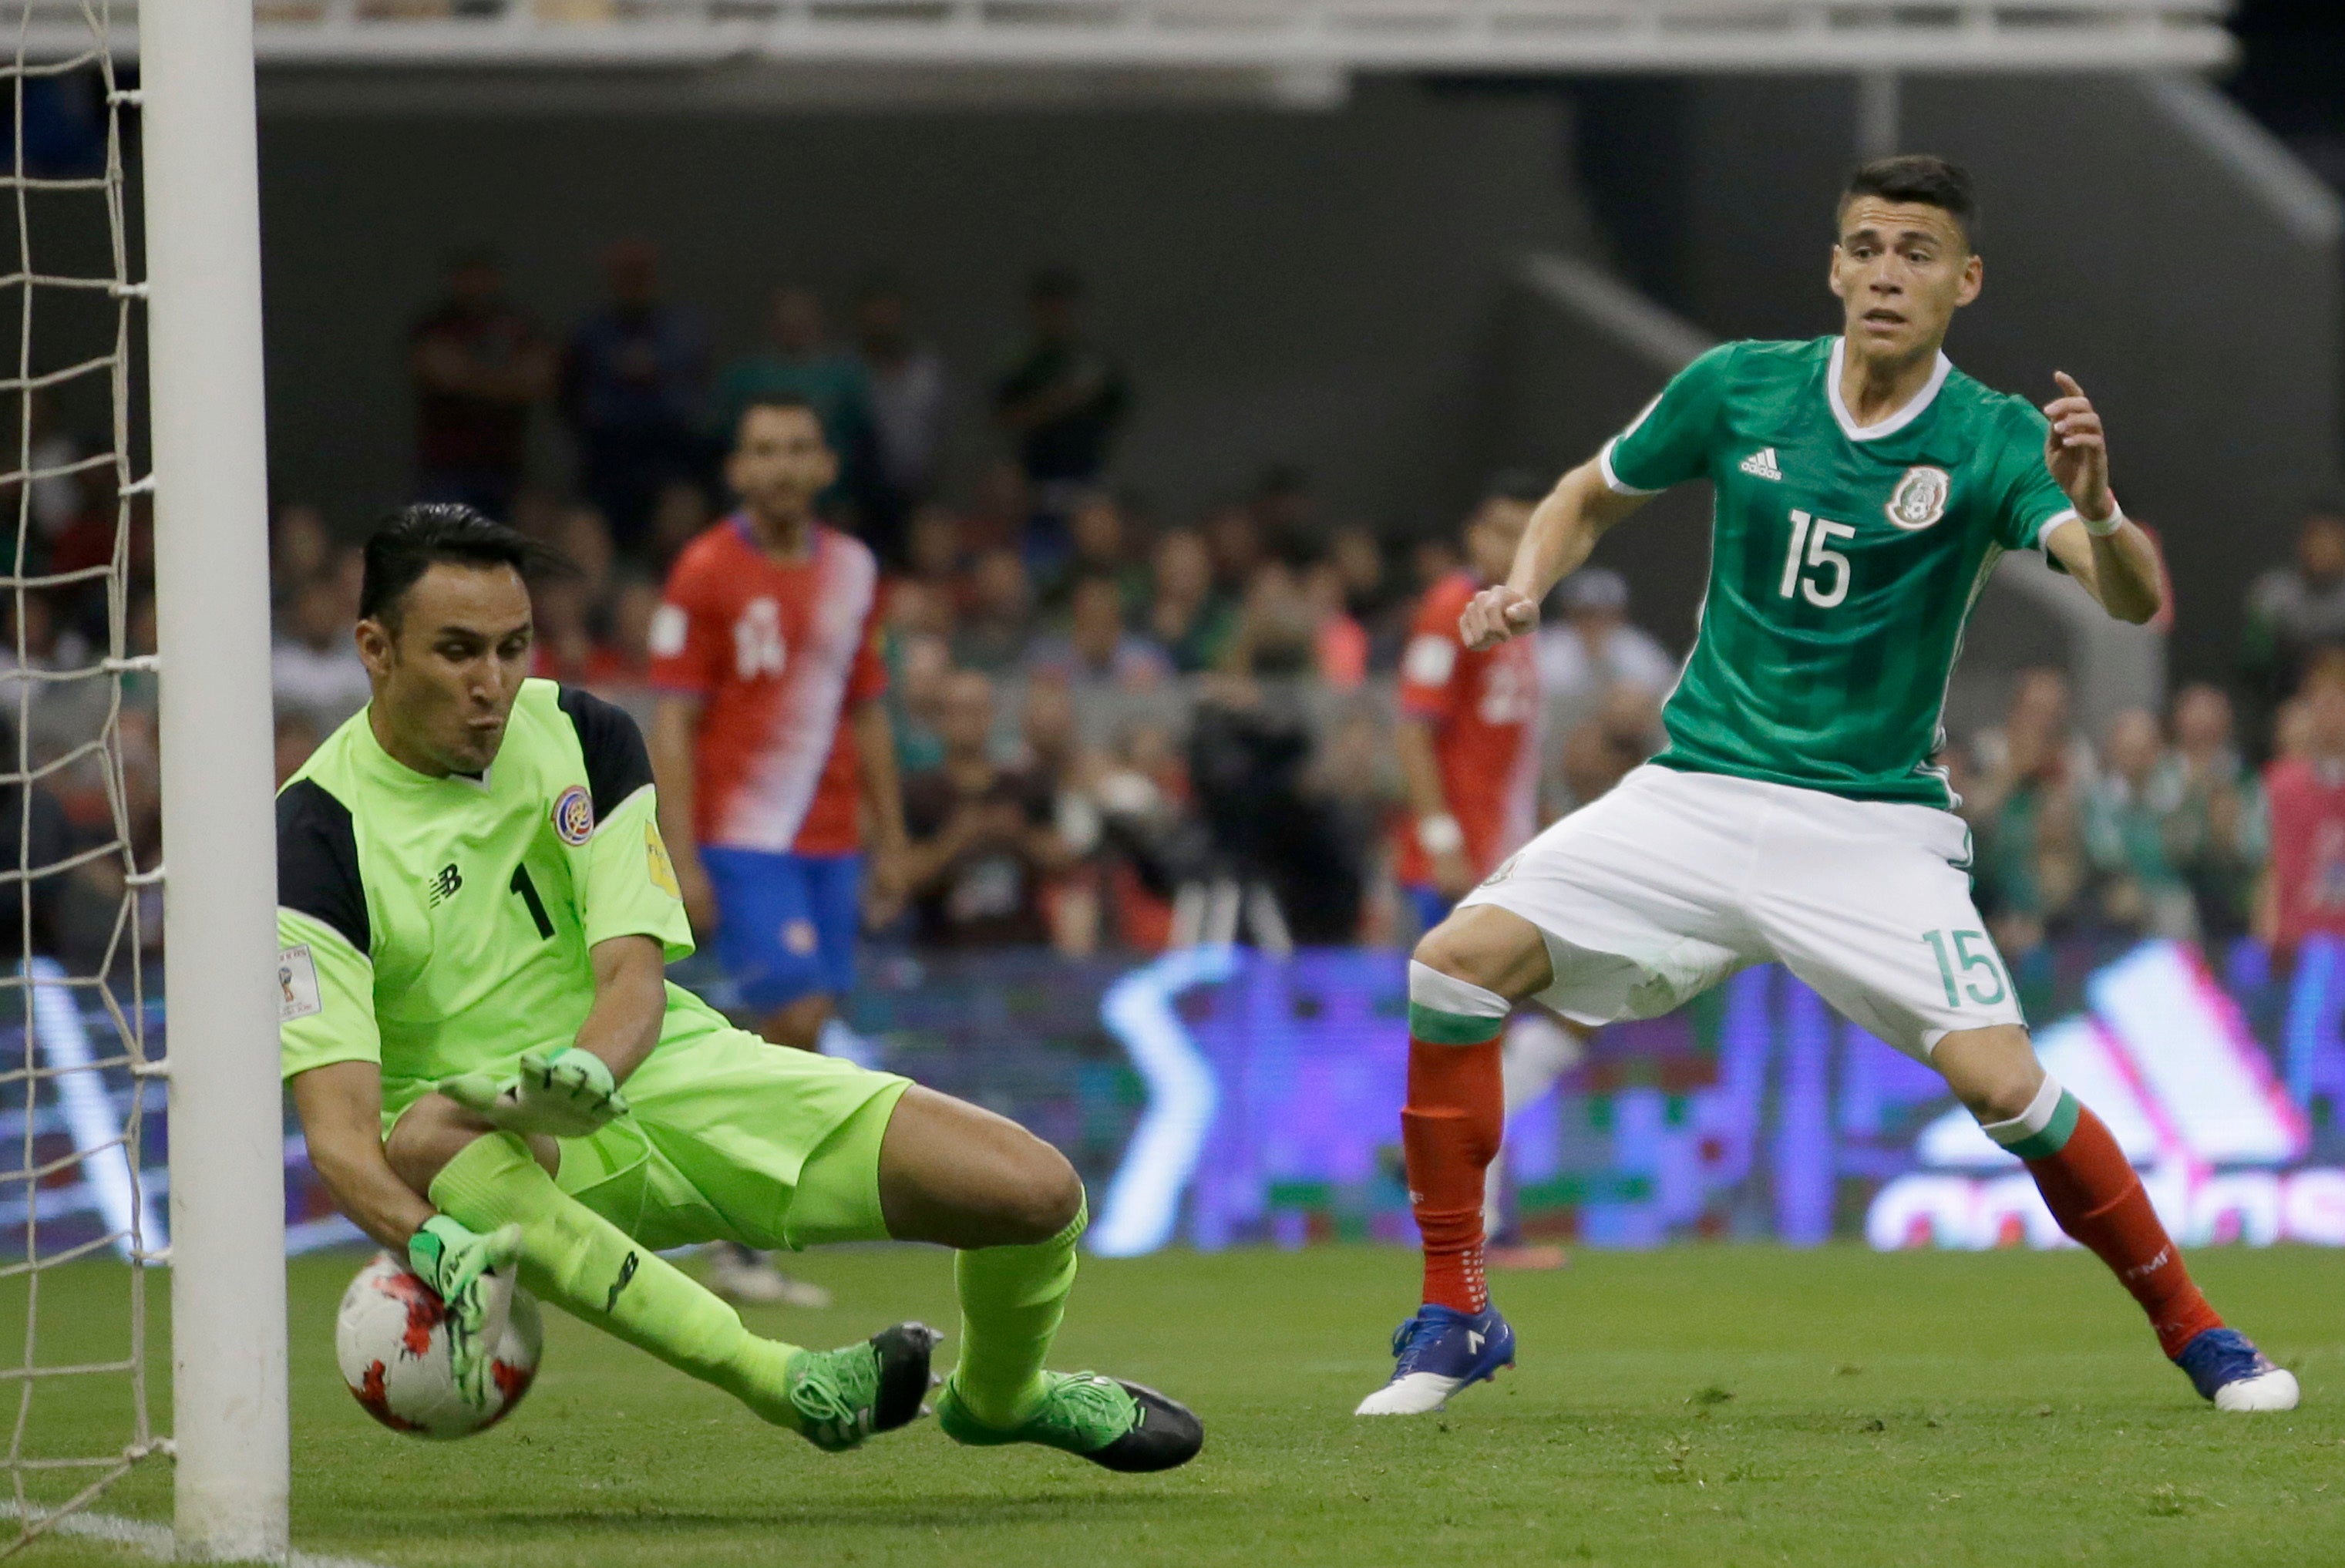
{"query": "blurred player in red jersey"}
(2305, 892)
(1468, 735)
(1469, 746)
(771, 745)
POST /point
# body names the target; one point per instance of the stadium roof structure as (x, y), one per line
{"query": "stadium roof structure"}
(1333, 38)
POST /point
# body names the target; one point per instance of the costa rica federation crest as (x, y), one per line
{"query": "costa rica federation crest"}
(574, 815)
(1920, 498)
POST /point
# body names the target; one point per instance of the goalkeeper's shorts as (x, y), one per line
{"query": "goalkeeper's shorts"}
(730, 1138)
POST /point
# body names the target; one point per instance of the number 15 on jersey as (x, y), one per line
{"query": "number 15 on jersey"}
(1817, 535)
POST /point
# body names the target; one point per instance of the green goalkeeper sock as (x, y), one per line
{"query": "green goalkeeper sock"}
(594, 1270)
(1011, 1298)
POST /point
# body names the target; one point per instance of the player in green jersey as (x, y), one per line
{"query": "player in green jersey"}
(1865, 488)
(496, 1079)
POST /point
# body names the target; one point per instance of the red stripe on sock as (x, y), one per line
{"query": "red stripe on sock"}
(1449, 1133)
(2094, 1194)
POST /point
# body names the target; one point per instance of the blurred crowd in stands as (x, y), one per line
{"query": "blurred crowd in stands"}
(1140, 704)
(2220, 818)
(1146, 708)
(1152, 704)
(71, 813)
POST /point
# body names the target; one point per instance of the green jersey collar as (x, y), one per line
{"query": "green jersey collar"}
(1895, 421)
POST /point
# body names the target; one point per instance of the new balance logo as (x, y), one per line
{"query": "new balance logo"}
(627, 1274)
(443, 887)
(1761, 464)
(1474, 1340)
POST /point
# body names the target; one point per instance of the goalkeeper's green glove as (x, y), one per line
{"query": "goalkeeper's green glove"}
(567, 1094)
(474, 1277)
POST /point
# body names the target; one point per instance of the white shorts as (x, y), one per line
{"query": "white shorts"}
(1673, 881)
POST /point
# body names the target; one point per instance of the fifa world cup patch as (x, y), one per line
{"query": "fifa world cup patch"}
(296, 986)
(1920, 498)
(574, 815)
(662, 868)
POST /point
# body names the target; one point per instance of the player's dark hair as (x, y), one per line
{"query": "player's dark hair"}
(1524, 484)
(1924, 180)
(415, 539)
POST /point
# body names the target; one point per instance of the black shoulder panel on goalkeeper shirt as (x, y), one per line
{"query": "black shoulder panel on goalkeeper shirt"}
(318, 861)
(617, 764)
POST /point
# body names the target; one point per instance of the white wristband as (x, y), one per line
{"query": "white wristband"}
(2107, 525)
(1439, 834)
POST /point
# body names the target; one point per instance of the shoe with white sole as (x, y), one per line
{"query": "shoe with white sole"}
(2225, 1366)
(1438, 1352)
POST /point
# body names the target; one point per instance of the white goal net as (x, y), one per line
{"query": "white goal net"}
(79, 1207)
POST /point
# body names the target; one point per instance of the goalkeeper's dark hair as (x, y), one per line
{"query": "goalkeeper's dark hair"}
(413, 539)
(1922, 179)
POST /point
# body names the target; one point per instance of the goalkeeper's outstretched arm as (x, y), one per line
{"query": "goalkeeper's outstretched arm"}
(341, 1110)
(630, 1002)
(1562, 530)
(676, 724)
(341, 1107)
(573, 1092)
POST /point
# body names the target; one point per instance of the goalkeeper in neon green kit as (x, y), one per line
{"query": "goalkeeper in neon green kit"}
(496, 1079)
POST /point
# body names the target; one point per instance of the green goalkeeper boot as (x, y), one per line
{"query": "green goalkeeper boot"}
(1114, 1425)
(845, 1396)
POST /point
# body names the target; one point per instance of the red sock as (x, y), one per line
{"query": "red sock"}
(2098, 1200)
(1449, 1133)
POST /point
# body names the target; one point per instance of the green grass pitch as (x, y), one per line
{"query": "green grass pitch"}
(1704, 1405)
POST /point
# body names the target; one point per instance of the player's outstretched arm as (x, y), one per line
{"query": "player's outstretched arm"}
(341, 1110)
(572, 1092)
(676, 721)
(1562, 532)
(2111, 557)
(565, 1092)
(630, 1002)
(883, 803)
(1437, 832)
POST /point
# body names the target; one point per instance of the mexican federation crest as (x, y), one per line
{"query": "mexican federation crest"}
(1920, 498)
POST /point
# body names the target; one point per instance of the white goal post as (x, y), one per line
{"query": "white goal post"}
(211, 564)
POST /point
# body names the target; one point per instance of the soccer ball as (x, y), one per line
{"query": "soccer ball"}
(391, 1340)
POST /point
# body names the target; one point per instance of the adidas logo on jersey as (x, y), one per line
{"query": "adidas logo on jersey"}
(1761, 463)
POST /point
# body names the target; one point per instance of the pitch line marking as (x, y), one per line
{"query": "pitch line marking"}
(156, 1539)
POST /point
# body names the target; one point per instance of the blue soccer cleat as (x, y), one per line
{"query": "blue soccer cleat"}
(1438, 1352)
(2225, 1366)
